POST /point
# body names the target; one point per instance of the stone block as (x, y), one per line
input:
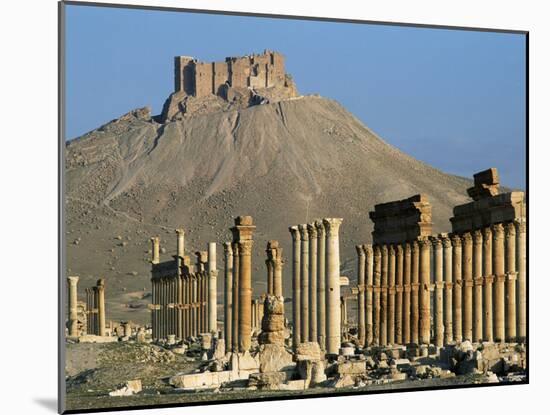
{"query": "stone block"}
(352, 368)
(274, 322)
(272, 337)
(274, 358)
(268, 380)
(90, 338)
(294, 385)
(347, 351)
(308, 351)
(129, 388)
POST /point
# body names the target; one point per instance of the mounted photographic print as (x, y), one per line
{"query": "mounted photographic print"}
(263, 207)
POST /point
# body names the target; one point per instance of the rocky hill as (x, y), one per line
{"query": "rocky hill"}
(284, 163)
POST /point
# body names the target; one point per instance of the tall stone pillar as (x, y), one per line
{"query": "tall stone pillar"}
(377, 275)
(384, 298)
(235, 312)
(407, 293)
(500, 276)
(415, 284)
(488, 278)
(521, 258)
(399, 294)
(242, 233)
(155, 250)
(361, 294)
(478, 286)
(467, 283)
(321, 285)
(424, 294)
(185, 306)
(304, 281)
(332, 226)
(457, 287)
(73, 307)
(391, 294)
(448, 277)
(343, 314)
(270, 270)
(228, 295)
(312, 232)
(511, 277)
(153, 310)
(296, 287)
(212, 289)
(438, 295)
(278, 272)
(101, 306)
(369, 268)
(181, 242)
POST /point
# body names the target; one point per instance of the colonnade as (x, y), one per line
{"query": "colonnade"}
(95, 309)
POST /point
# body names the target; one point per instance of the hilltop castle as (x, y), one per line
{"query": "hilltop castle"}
(237, 82)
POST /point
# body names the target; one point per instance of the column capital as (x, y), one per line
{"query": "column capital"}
(391, 250)
(73, 279)
(376, 250)
(384, 250)
(332, 225)
(445, 240)
(312, 230)
(521, 225)
(360, 251)
(498, 231)
(399, 249)
(245, 247)
(155, 239)
(436, 242)
(228, 250)
(424, 242)
(407, 248)
(510, 229)
(101, 283)
(320, 227)
(487, 233)
(294, 232)
(367, 248)
(414, 246)
(456, 240)
(304, 234)
(477, 237)
(180, 231)
(467, 238)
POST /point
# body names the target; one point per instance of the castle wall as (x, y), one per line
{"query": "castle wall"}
(203, 79)
(220, 72)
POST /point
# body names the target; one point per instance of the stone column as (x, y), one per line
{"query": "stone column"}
(399, 294)
(415, 284)
(242, 232)
(488, 284)
(73, 305)
(448, 277)
(278, 272)
(212, 289)
(369, 265)
(511, 277)
(153, 310)
(478, 286)
(312, 231)
(407, 293)
(521, 258)
(253, 317)
(296, 287)
(304, 281)
(235, 312)
(228, 294)
(457, 287)
(155, 250)
(391, 294)
(377, 276)
(185, 310)
(384, 297)
(343, 314)
(500, 276)
(321, 284)
(361, 294)
(332, 226)
(101, 306)
(424, 292)
(438, 295)
(269, 268)
(181, 242)
(467, 305)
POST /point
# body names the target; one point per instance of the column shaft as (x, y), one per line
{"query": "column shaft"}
(72, 283)
(369, 265)
(296, 287)
(399, 294)
(377, 274)
(304, 281)
(415, 283)
(235, 312)
(478, 286)
(425, 284)
(467, 304)
(391, 294)
(332, 226)
(488, 284)
(321, 285)
(407, 293)
(438, 295)
(521, 259)
(312, 232)
(228, 299)
(361, 294)
(499, 272)
(457, 288)
(511, 277)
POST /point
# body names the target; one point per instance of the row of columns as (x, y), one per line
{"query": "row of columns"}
(184, 302)
(316, 284)
(95, 307)
(478, 279)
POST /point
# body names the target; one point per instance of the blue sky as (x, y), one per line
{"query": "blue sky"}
(453, 99)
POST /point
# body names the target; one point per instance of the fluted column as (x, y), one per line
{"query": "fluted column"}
(245, 291)
(384, 298)
(235, 312)
(228, 297)
(391, 294)
(101, 306)
(321, 285)
(467, 284)
(438, 294)
(500, 276)
(415, 284)
(448, 277)
(521, 259)
(399, 294)
(361, 294)
(278, 273)
(369, 268)
(511, 277)
(478, 286)
(212, 289)
(155, 250)
(424, 294)
(296, 287)
(73, 305)
(332, 226)
(407, 293)
(377, 274)
(488, 279)
(304, 281)
(312, 232)
(457, 287)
